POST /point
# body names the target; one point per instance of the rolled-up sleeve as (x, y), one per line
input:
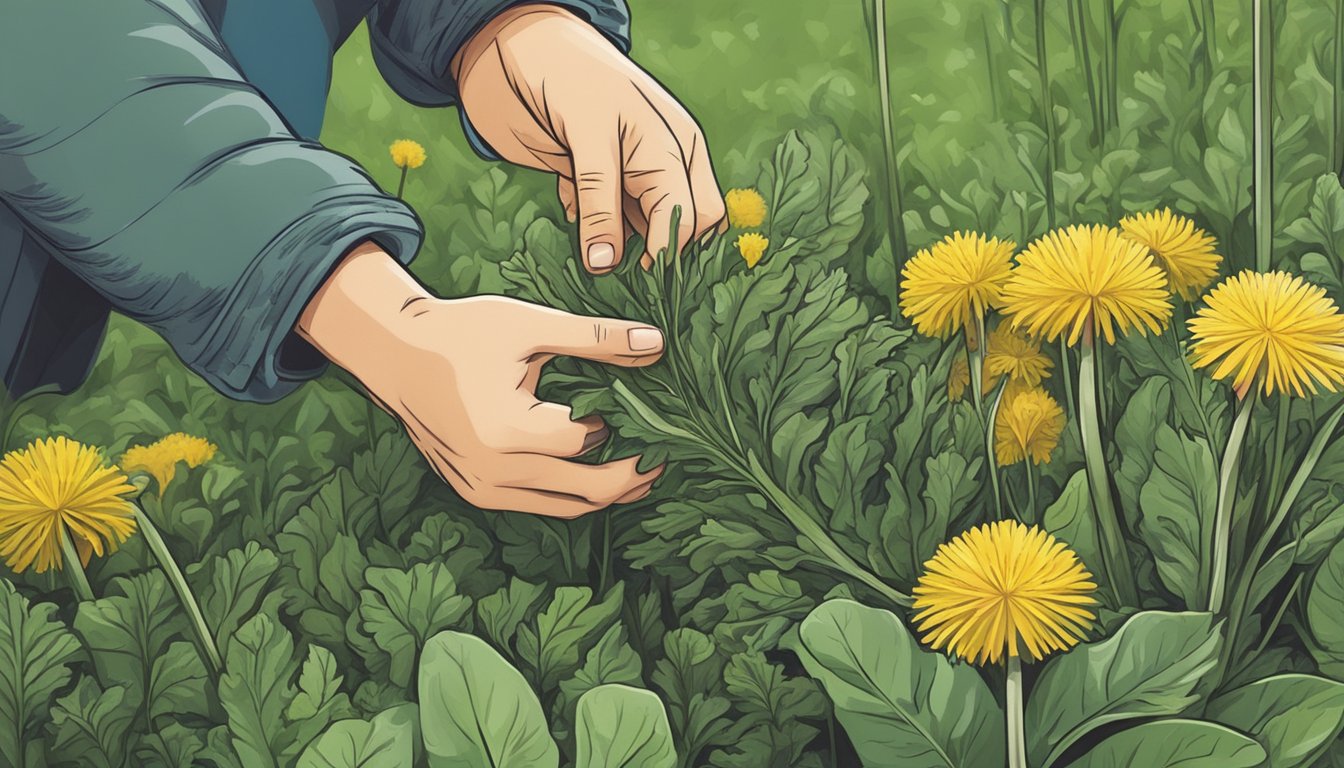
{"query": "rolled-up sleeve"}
(414, 42)
(132, 147)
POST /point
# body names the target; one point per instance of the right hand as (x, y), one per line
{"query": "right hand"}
(461, 376)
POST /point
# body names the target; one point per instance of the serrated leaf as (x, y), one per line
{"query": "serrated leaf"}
(1296, 718)
(402, 609)
(237, 581)
(255, 690)
(386, 741)
(552, 647)
(35, 653)
(89, 726)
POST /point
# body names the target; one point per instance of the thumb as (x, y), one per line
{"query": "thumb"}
(602, 339)
(597, 183)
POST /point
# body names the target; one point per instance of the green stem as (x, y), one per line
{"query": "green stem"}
(1112, 64)
(1263, 32)
(1066, 365)
(1210, 28)
(1032, 512)
(1016, 722)
(401, 185)
(1115, 556)
(1276, 474)
(1336, 118)
(1078, 24)
(1227, 493)
(205, 640)
(895, 210)
(976, 361)
(74, 569)
(990, 457)
(1048, 113)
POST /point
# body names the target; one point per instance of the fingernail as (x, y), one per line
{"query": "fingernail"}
(645, 339)
(601, 256)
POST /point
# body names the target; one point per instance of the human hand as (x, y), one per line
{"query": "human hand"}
(546, 90)
(461, 377)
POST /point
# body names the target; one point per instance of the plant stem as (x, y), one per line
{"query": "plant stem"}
(401, 185)
(895, 209)
(1276, 473)
(1227, 491)
(1048, 113)
(1078, 24)
(1336, 119)
(990, 458)
(205, 640)
(1263, 26)
(1115, 556)
(1065, 365)
(1016, 722)
(1210, 29)
(74, 569)
(1112, 64)
(1031, 492)
(976, 361)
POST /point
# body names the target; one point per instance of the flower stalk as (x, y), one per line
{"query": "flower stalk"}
(205, 639)
(876, 16)
(1263, 26)
(1048, 113)
(74, 568)
(990, 458)
(1114, 554)
(1014, 714)
(1228, 475)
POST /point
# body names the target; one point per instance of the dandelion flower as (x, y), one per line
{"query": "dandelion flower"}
(746, 208)
(1011, 353)
(1027, 427)
(1086, 278)
(947, 287)
(752, 246)
(54, 485)
(1272, 324)
(407, 154)
(1184, 251)
(160, 459)
(1004, 588)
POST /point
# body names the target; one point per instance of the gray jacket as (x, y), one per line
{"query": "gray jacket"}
(158, 157)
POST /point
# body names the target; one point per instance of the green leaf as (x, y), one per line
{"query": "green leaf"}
(1135, 435)
(900, 705)
(237, 582)
(612, 660)
(319, 684)
(1070, 519)
(1178, 504)
(476, 710)
(622, 726)
(1151, 667)
(1325, 606)
(1175, 744)
(501, 613)
(778, 713)
(89, 726)
(256, 690)
(174, 746)
(386, 741)
(35, 653)
(564, 631)
(402, 609)
(1296, 718)
(178, 683)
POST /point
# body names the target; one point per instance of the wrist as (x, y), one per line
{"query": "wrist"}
(503, 27)
(358, 314)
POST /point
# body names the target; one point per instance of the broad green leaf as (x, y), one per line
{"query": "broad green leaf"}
(237, 583)
(35, 653)
(402, 609)
(1294, 717)
(501, 613)
(1175, 744)
(618, 725)
(476, 710)
(174, 746)
(319, 684)
(1146, 412)
(899, 704)
(1178, 504)
(612, 660)
(1151, 667)
(178, 683)
(1069, 518)
(386, 741)
(1325, 608)
(89, 726)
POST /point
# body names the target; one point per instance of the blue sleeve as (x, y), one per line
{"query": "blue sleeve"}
(414, 42)
(133, 149)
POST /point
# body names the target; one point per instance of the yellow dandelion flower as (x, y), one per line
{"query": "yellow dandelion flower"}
(1011, 353)
(1028, 425)
(946, 287)
(958, 379)
(160, 459)
(55, 485)
(746, 208)
(1275, 325)
(1086, 278)
(752, 246)
(1004, 588)
(1183, 250)
(407, 154)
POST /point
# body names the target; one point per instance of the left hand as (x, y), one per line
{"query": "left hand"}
(546, 90)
